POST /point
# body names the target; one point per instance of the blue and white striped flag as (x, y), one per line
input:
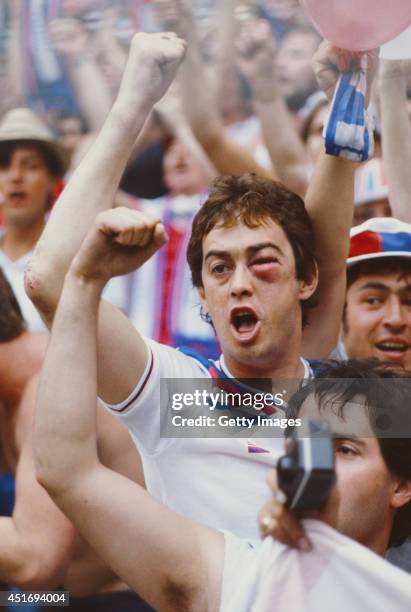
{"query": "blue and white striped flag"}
(348, 131)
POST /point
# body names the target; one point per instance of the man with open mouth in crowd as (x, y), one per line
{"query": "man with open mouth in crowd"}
(253, 259)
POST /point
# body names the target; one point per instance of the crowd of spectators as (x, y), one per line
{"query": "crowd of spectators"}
(248, 98)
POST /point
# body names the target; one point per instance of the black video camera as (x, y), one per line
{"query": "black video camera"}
(306, 472)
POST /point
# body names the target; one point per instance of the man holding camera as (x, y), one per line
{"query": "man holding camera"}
(176, 563)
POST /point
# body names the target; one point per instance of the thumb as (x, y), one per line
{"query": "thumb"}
(158, 240)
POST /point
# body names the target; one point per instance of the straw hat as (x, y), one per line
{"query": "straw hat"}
(23, 124)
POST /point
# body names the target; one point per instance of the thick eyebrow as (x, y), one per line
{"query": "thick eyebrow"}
(374, 285)
(382, 287)
(250, 250)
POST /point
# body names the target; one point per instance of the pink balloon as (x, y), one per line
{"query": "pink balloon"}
(359, 25)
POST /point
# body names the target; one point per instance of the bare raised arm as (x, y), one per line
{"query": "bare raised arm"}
(329, 202)
(199, 99)
(152, 65)
(396, 134)
(172, 562)
(36, 541)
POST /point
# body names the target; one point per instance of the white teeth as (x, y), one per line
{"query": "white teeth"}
(392, 346)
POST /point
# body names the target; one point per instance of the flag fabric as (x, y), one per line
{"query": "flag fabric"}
(348, 131)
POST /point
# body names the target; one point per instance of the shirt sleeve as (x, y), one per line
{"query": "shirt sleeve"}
(140, 411)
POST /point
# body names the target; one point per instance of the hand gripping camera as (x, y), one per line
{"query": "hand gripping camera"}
(306, 472)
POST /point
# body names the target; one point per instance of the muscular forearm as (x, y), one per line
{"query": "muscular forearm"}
(329, 202)
(396, 143)
(65, 426)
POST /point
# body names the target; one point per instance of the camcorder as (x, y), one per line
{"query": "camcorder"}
(306, 472)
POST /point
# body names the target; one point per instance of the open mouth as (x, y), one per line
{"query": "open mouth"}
(245, 323)
(393, 349)
(17, 197)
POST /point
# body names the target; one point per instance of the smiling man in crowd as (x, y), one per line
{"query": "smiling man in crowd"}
(377, 314)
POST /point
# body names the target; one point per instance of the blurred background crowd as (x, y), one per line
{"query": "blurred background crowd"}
(247, 101)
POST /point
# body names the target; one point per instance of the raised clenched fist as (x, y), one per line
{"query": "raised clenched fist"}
(151, 67)
(329, 62)
(120, 241)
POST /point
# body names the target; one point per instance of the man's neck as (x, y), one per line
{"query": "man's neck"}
(19, 240)
(292, 368)
(379, 543)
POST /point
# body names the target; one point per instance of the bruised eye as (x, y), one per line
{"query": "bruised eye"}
(264, 261)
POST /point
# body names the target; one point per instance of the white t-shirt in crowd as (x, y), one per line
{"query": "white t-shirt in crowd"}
(338, 574)
(220, 482)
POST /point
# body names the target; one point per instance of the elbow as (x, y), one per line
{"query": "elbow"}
(51, 472)
(60, 479)
(39, 289)
(50, 478)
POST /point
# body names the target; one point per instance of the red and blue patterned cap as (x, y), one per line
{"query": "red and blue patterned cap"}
(379, 237)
